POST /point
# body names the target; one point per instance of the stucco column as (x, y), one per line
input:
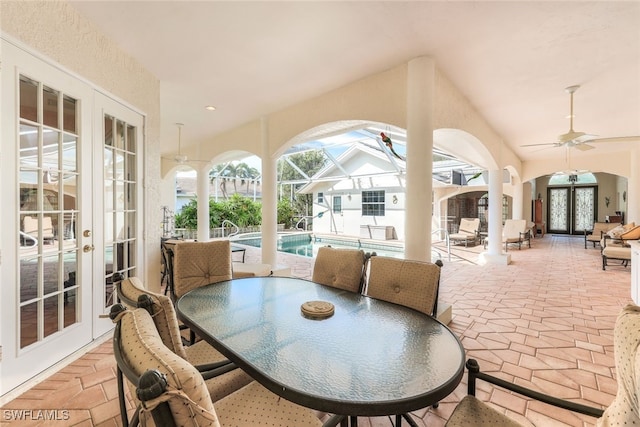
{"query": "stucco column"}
(633, 189)
(494, 253)
(420, 107)
(518, 200)
(203, 204)
(269, 200)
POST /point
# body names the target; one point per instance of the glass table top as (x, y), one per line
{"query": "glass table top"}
(369, 358)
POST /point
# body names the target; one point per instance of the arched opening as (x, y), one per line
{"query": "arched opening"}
(571, 203)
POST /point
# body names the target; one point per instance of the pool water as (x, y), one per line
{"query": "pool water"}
(305, 246)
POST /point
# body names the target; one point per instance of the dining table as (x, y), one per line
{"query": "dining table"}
(363, 357)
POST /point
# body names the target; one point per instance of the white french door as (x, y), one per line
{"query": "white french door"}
(118, 133)
(59, 234)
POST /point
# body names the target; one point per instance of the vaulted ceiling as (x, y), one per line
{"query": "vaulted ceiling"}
(512, 60)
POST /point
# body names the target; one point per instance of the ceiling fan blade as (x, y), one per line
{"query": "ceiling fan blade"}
(555, 144)
(584, 147)
(616, 139)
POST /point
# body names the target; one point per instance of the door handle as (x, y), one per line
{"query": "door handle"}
(87, 248)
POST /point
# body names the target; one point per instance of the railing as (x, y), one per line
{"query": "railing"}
(237, 229)
(306, 224)
(446, 239)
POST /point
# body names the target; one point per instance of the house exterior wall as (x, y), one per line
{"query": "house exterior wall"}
(349, 221)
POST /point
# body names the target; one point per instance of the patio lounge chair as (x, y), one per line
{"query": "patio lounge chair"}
(515, 231)
(597, 231)
(614, 244)
(468, 231)
(30, 227)
(623, 411)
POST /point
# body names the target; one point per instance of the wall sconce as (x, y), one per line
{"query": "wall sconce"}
(607, 200)
(573, 179)
(349, 196)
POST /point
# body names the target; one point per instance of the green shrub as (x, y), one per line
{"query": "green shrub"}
(240, 210)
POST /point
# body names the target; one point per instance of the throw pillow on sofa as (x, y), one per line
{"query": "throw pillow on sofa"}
(616, 232)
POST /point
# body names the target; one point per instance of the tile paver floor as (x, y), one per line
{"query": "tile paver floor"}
(544, 321)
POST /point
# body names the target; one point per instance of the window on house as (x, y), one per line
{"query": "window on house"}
(337, 204)
(320, 197)
(373, 203)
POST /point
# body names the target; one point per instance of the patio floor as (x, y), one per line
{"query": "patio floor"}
(544, 321)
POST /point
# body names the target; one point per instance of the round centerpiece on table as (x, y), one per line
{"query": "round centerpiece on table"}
(317, 309)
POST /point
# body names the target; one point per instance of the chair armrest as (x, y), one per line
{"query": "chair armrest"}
(212, 373)
(211, 366)
(474, 373)
(606, 237)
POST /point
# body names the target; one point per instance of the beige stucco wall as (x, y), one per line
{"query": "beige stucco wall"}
(617, 163)
(55, 30)
(377, 98)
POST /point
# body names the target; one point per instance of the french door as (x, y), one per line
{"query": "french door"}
(57, 171)
(571, 210)
(118, 133)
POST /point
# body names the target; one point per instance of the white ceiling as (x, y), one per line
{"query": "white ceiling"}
(512, 60)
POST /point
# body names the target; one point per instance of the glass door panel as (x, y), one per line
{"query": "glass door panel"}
(585, 208)
(558, 210)
(571, 209)
(120, 133)
(44, 207)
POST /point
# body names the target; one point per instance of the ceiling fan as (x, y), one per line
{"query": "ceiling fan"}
(181, 158)
(580, 140)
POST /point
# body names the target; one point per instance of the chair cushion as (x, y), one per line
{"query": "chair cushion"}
(469, 225)
(200, 353)
(512, 229)
(255, 406)
(462, 235)
(631, 234)
(196, 264)
(472, 412)
(412, 284)
(164, 314)
(242, 269)
(617, 251)
(339, 268)
(143, 350)
(624, 410)
(616, 232)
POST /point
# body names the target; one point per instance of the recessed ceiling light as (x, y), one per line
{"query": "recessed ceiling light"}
(210, 107)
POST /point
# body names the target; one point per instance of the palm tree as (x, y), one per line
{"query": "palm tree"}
(223, 171)
(246, 173)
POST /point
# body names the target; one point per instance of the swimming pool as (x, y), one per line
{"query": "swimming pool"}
(306, 244)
